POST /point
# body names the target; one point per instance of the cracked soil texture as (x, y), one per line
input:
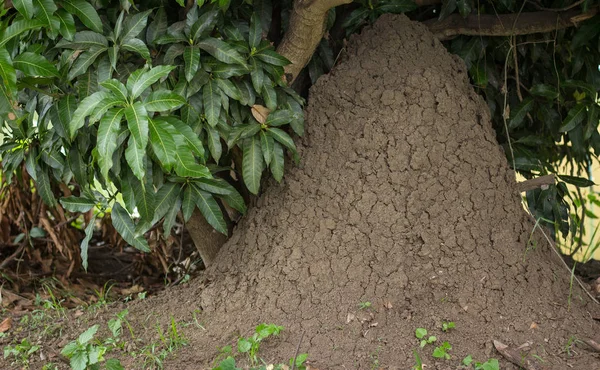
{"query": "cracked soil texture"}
(403, 199)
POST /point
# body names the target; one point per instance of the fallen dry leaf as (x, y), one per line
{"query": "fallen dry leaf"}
(387, 304)
(260, 113)
(134, 289)
(533, 326)
(5, 325)
(350, 317)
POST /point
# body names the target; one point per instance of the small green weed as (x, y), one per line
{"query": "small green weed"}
(364, 305)
(491, 364)
(84, 354)
(420, 333)
(20, 352)
(419, 362)
(442, 351)
(448, 325)
(251, 345)
(50, 366)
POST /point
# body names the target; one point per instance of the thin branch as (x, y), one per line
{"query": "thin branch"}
(493, 25)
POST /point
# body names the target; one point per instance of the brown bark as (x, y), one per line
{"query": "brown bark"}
(207, 240)
(507, 24)
(307, 27)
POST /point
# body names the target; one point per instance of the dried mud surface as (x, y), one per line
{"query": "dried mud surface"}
(403, 199)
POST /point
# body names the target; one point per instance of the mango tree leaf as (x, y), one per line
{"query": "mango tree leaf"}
(137, 46)
(144, 201)
(520, 112)
(448, 7)
(271, 57)
(212, 103)
(163, 100)
(77, 204)
(32, 64)
(267, 143)
(125, 227)
(214, 143)
(581, 182)
(210, 210)
(214, 186)
(162, 143)
(158, 26)
(18, 27)
(228, 88)
(189, 136)
(269, 95)
(89, 232)
(137, 122)
(574, 118)
(284, 139)
(108, 130)
(44, 188)
(84, 109)
(464, 7)
(204, 23)
(255, 34)
(277, 162)
(135, 155)
(257, 75)
(103, 107)
(134, 25)
(252, 164)
(44, 10)
(84, 61)
(544, 90)
(279, 118)
(85, 12)
(164, 200)
(25, 7)
(83, 40)
(171, 214)
(117, 88)
(7, 70)
(191, 58)
(234, 200)
(188, 204)
(222, 51)
(67, 24)
(186, 165)
(140, 81)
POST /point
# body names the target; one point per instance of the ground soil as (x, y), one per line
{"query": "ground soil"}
(403, 199)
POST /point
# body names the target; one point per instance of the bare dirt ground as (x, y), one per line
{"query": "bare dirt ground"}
(403, 199)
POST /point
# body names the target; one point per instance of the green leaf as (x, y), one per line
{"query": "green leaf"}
(44, 10)
(210, 210)
(144, 200)
(25, 7)
(89, 232)
(520, 112)
(190, 137)
(162, 143)
(255, 34)
(44, 188)
(252, 164)
(108, 130)
(271, 57)
(214, 143)
(140, 80)
(117, 88)
(188, 204)
(191, 58)
(67, 24)
(396, 6)
(34, 65)
(257, 75)
(18, 27)
(77, 204)
(222, 51)
(204, 23)
(164, 200)
(7, 70)
(581, 182)
(186, 166)
(158, 26)
(171, 214)
(267, 143)
(137, 46)
(464, 7)
(125, 227)
(283, 138)
(135, 155)
(163, 100)
(85, 12)
(113, 364)
(269, 95)
(212, 103)
(448, 7)
(229, 88)
(84, 61)
(134, 25)
(103, 107)
(574, 118)
(84, 109)
(137, 122)
(585, 33)
(544, 90)
(234, 200)
(277, 163)
(279, 118)
(84, 40)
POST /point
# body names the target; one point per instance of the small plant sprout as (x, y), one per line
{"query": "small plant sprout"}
(85, 354)
(442, 351)
(421, 334)
(419, 362)
(251, 345)
(21, 352)
(364, 305)
(491, 364)
(467, 360)
(299, 363)
(448, 325)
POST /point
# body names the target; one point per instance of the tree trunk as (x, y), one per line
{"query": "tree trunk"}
(405, 214)
(207, 240)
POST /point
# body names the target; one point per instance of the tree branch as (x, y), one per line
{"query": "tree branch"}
(502, 25)
(307, 27)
